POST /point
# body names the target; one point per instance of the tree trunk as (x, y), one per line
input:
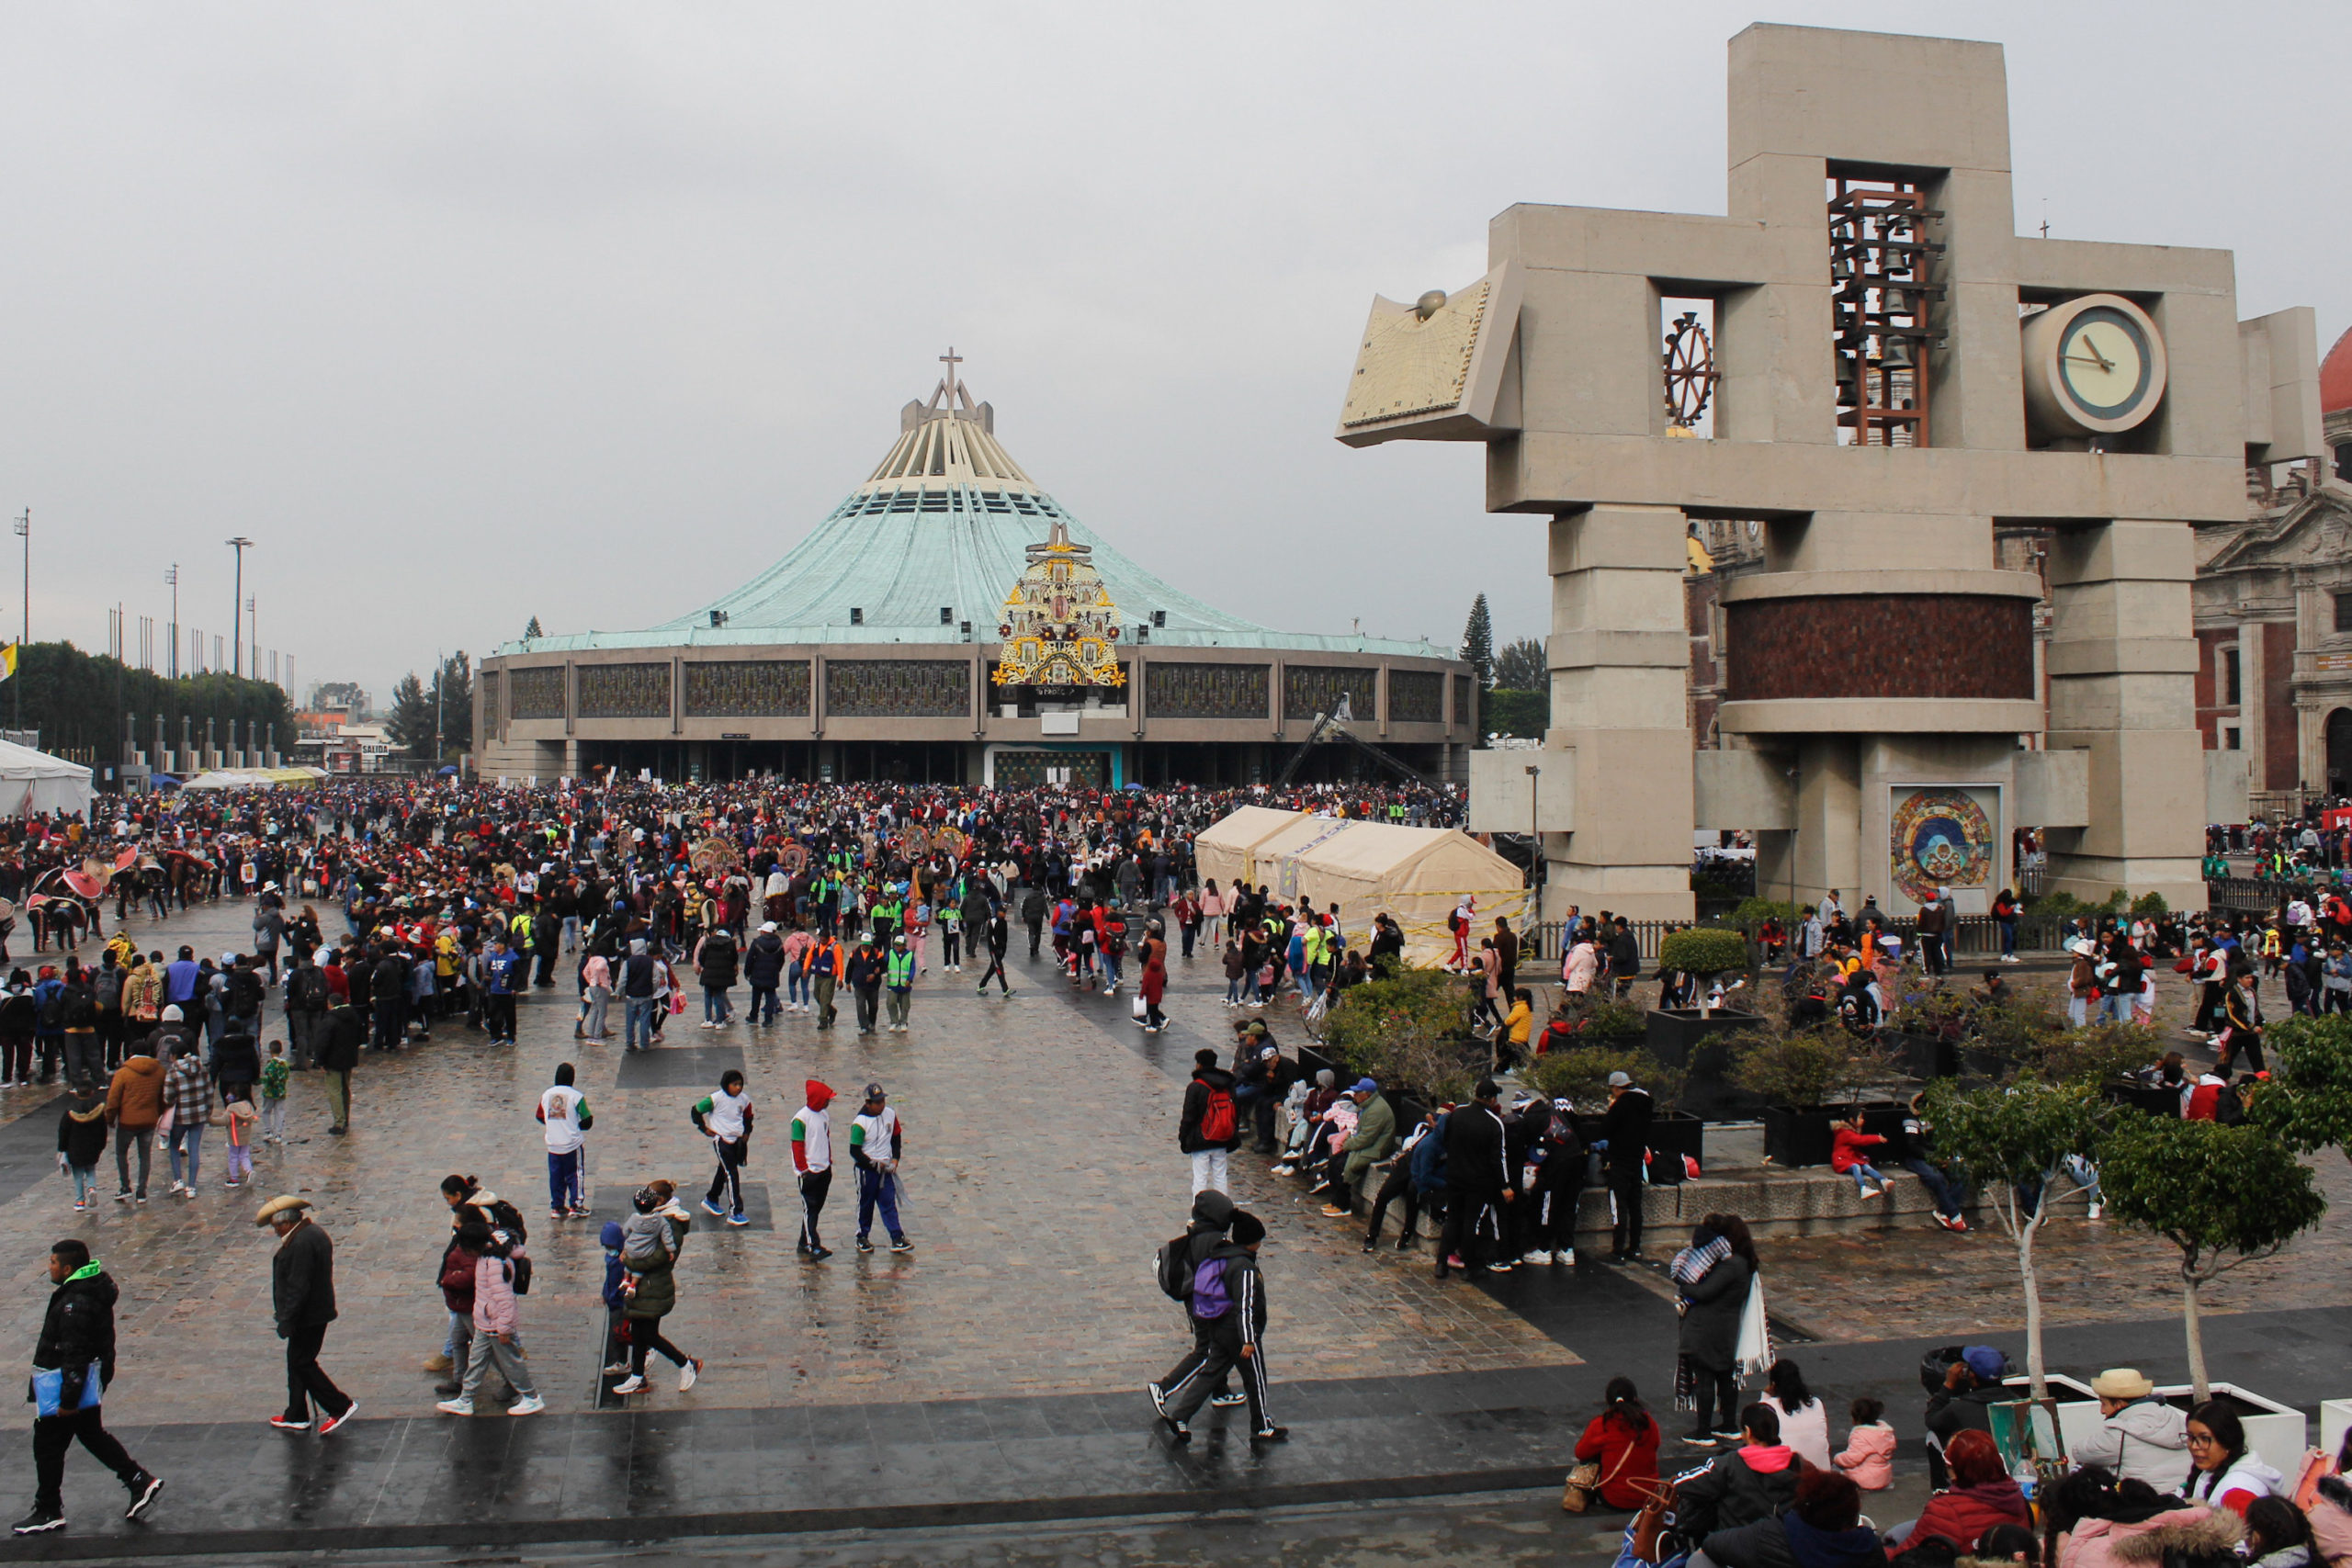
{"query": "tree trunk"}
(2034, 1365)
(2200, 1387)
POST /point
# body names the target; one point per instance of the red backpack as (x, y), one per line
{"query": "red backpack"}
(1216, 1118)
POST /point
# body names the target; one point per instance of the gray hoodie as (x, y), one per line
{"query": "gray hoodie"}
(2146, 1440)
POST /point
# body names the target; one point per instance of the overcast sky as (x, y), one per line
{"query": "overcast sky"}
(472, 312)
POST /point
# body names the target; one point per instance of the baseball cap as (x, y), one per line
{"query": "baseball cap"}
(1364, 1085)
(1620, 1080)
(874, 1091)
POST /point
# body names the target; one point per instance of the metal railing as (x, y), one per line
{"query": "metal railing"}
(1972, 936)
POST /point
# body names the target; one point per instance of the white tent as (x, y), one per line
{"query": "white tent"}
(34, 781)
(1223, 852)
(1417, 875)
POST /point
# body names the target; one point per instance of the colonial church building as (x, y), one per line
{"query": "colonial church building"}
(2274, 617)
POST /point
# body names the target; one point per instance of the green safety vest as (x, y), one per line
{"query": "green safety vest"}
(902, 969)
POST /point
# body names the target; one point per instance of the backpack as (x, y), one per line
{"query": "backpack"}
(1217, 1119)
(310, 990)
(245, 990)
(53, 1012)
(1210, 1298)
(518, 1270)
(1172, 1266)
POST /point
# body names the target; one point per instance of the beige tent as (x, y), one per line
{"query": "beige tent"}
(1417, 875)
(1224, 850)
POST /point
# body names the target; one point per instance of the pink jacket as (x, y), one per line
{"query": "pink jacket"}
(1869, 1458)
(495, 1311)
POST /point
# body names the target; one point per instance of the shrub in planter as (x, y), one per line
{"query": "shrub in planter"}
(1410, 1032)
(1581, 1077)
(1752, 912)
(1811, 1068)
(2013, 1032)
(2095, 1054)
(1705, 952)
(1612, 1020)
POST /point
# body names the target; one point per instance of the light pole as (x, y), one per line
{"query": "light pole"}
(173, 576)
(236, 609)
(25, 532)
(252, 633)
(1535, 841)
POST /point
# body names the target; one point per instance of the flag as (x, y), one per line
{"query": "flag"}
(7, 661)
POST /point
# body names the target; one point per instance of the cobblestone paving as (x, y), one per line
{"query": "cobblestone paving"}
(1041, 1173)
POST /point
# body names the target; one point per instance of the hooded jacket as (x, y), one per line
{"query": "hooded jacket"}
(2192, 1529)
(2236, 1488)
(764, 961)
(1963, 1513)
(1737, 1489)
(78, 1327)
(135, 1097)
(2146, 1440)
(812, 1130)
(1196, 1106)
(81, 1135)
(2330, 1519)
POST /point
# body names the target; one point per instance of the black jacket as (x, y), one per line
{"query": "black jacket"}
(763, 960)
(1474, 1159)
(1710, 1332)
(236, 1059)
(1787, 1541)
(720, 960)
(82, 1136)
(346, 1028)
(1950, 1413)
(79, 1326)
(1728, 1494)
(1625, 1127)
(302, 1280)
(1196, 1105)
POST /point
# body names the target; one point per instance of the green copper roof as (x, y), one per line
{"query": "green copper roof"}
(943, 525)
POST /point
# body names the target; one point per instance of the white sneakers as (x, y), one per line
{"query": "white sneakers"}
(689, 1372)
(529, 1405)
(630, 1385)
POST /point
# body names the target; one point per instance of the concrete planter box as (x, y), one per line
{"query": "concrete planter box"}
(1796, 1137)
(2334, 1419)
(2275, 1432)
(1680, 1037)
(2156, 1100)
(1925, 1057)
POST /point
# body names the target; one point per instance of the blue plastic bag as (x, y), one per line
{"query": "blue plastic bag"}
(50, 1389)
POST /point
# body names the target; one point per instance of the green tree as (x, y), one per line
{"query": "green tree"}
(1523, 666)
(2224, 1195)
(1705, 952)
(533, 629)
(1478, 642)
(2307, 1104)
(453, 694)
(1408, 1033)
(2014, 1142)
(409, 723)
(1509, 712)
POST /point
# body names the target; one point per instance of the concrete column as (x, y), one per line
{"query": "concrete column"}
(2122, 687)
(1620, 656)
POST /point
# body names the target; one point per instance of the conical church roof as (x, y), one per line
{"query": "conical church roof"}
(937, 536)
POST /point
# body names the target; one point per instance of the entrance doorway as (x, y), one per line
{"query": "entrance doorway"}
(2339, 751)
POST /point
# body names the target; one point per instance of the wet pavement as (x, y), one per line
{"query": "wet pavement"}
(990, 1378)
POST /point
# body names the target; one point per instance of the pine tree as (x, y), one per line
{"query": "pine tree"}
(1478, 643)
(453, 694)
(533, 629)
(410, 724)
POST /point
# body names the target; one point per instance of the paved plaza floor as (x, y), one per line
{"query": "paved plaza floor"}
(993, 1376)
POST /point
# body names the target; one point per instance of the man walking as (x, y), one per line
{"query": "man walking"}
(826, 962)
(1625, 1134)
(73, 1364)
(875, 1142)
(898, 976)
(503, 974)
(1210, 1126)
(812, 1158)
(563, 1111)
(1479, 1180)
(867, 968)
(1228, 1294)
(999, 936)
(301, 1290)
(345, 1033)
(638, 983)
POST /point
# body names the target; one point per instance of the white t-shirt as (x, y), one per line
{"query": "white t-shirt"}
(561, 1107)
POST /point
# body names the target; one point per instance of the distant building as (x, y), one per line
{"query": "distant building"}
(346, 699)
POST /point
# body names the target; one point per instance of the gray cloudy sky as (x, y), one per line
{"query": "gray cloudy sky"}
(468, 312)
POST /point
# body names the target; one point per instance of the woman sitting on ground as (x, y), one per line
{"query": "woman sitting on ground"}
(1980, 1495)
(1622, 1440)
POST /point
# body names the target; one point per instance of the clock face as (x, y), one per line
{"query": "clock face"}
(2104, 359)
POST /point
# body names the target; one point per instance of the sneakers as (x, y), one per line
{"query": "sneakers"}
(38, 1522)
(144, 1487)
(333, 1424)
(739, 1219)
(436, 1363)
(1501, 1265)
(1176, 1429)
(529, 1405)
(1159, 1397)
(864, 1244)
(900, 1244)
(630, 1385)
(179, 1189)
(689, 1372)
(123, 1197)
(1699, 1439)
(1271, 1435)
(456, 1406)
(713, 1210)
(817, 1254)
(2008, 958)
(81, 1205)
(1228, 1400)
(2098, 1210)
(1333, 1212)
(285, 1424)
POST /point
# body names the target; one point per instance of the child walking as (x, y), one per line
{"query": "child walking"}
(274, 1075)
(242, 1119)
(81, 1139)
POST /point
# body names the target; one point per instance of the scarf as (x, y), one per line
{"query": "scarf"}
(1690, 1264)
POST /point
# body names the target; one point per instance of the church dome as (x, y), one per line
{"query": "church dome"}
(2335, 377)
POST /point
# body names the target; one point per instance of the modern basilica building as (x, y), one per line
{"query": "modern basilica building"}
(950, 624)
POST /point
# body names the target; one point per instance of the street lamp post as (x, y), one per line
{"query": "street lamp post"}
(236, 609)
(173, 576)
(24, 638)
(1535, 841)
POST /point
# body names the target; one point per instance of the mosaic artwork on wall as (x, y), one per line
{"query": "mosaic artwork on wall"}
(897, 688)
(535, 692)
(1310, 689)
(1035, 769)
(486, 695)
(1942, 836)
(1059, 624)
(1465, 711)
(625, 691)
(1205, 691)
(747, 689)
(1416, 696)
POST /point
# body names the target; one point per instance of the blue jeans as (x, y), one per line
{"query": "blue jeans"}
(795, 984)
(1941, 1187)
(563, 1180)
(191, 1138)
(714, 1005)
(1234, 987)
(2009, 939)
(1866, 1177)
(638, 1021)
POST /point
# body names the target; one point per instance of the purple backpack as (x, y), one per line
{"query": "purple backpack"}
(1209, 1297)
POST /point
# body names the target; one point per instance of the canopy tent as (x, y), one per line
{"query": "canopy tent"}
(34, 781)
(1415, 875)
(256, 778)
(1222, 850)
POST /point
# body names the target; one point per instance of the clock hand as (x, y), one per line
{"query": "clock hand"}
(2084, 341)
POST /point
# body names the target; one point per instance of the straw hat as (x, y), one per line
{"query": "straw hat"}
(2123, 1382)
(278, 1206)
